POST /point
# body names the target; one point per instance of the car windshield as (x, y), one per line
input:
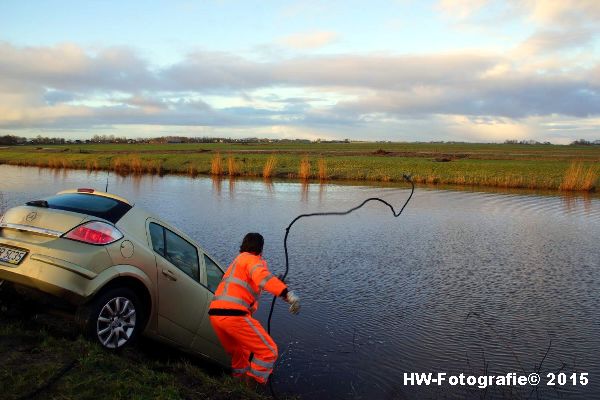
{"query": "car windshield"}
(98, 206)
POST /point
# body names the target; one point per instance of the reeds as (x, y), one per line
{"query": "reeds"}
(136, 166)
(154, 167)
(92, 165)
(54, 163)
(501, 181)
(578, 177)
(304, 171)
(269, 167)
(120, 167)
(322, 164)
(193, 170)
(216, 165)
(232, 166)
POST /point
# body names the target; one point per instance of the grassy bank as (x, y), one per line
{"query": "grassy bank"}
(42, 358)
(512, 166)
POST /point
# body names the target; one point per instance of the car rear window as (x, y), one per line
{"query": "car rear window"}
(98, 206)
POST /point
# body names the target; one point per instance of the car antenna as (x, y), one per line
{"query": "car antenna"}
(107, 175)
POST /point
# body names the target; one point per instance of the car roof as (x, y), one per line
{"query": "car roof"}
(96, 193)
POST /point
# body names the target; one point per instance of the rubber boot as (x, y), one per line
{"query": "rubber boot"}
(251, 383)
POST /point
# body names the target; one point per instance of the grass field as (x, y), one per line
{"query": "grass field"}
(551, 167)
(44, 358)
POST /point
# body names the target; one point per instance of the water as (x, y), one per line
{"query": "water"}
(462, 282)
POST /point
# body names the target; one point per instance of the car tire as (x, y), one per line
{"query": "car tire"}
(114, 318)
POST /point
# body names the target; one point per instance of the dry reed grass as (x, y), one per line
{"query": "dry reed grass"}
(119, 166)
(154, 167)
(269, 167)
(578, 177)
(54, 163)
(136, 166)
(193, 170)
(232, 166)
(92, 165)
(322, 164)
(304, 171)
(506, 181)
(216, 165)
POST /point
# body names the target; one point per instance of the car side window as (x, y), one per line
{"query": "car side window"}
(157, 237)
(182, 254)
(213, 274)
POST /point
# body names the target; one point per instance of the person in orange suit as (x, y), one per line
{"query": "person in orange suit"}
(253, 351)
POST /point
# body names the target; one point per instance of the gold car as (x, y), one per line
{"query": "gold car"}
(122, 270)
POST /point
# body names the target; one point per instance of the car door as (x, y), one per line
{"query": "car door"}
(206, 341)
(182, 301)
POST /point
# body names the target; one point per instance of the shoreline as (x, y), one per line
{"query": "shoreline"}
(560, 169)
(517, 186)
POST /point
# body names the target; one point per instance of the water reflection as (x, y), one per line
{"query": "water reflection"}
(136, 182)
(322, 191)
(304, 191)
(217, 185)
(231, 187)
(269, 186)
(573, 202)
(522, 199)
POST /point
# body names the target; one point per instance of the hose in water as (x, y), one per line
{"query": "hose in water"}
(323, 214)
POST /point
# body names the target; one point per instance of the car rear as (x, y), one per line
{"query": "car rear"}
(58, 244)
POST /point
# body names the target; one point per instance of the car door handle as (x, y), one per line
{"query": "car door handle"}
(169, 274)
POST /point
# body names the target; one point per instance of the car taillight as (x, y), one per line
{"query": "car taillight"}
(95, 232)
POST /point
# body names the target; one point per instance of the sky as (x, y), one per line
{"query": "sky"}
(403, 70)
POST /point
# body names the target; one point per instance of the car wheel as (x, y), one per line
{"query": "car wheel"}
(115, 318)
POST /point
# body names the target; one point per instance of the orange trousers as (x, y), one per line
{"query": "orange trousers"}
(243, 337)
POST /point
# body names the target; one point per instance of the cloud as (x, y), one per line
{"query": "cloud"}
(460, 8)
(53, 97)
(543, 13)
(309, 40)
(218, 71)
(565, 13)
(70, 67)
(68, 86)
(557, 25)
(544, 42)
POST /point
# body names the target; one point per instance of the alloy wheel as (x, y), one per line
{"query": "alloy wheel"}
(116, 322)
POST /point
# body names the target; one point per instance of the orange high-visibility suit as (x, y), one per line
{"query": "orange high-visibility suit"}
(236, 298)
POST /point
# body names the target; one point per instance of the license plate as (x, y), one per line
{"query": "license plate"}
(11, 256)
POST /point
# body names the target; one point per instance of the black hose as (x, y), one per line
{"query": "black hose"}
(322, 214)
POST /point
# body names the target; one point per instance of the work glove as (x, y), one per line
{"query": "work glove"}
(294, 302)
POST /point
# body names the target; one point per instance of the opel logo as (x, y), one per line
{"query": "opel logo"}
(31, 216)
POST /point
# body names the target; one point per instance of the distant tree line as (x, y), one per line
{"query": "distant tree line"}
(13, 140)
(16, 140)
(513, 141)
(574, 143)
(585, 142)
